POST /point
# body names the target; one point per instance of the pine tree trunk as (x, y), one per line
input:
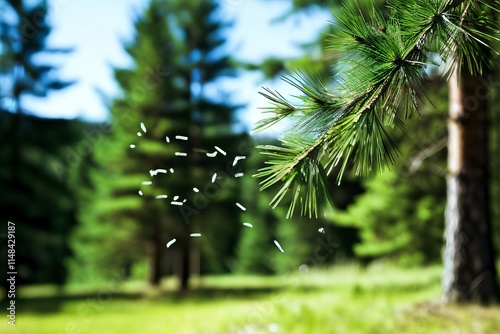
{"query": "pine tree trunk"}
(155, 258)
(469, 259)
(185, 267)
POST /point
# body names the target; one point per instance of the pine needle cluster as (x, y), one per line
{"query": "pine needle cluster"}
(383, 60)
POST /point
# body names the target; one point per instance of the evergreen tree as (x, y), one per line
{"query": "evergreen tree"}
(41, 204)
(383, 62)
(162, 146)
(22, 38)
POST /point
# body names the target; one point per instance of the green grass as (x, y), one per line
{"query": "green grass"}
(347, 299)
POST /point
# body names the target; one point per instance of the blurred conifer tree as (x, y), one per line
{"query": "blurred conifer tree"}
(33, 195)
(173, 89)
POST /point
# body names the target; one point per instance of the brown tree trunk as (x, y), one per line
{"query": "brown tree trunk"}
(469, 259)
(155, 258)
(185, 264)
(154, 267)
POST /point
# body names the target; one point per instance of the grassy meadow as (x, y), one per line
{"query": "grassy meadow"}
(346, 299)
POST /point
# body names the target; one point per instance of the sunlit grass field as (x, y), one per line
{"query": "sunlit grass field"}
(346, 299)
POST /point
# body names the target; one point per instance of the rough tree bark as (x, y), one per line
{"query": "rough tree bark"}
(469, 258)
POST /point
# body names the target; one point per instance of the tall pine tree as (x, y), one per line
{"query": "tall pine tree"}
(40, 203)
(163, 177)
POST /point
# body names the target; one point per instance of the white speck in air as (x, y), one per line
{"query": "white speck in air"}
(220, 150)
(238, 157)
(156, 171)
(212, 155)
(279, 246)
(171, 242)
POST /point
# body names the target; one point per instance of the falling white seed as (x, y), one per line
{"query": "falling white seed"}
(171, 242)
(321, 230)
(156, 171)
(238, 175)
(220, 150)
(140, 193)
(212, 155)
(139, 134)
(237, 158)
(132, 146)
(248, 225)
(196, 190)
(176, 203)
(153, 172)
(143, 127)
(167, 139)
(161, 196)
(181, 154)
(194, 235)
(176, 198)
(214, 177)
(241, 206)
(171, 170)
(147, 183)
(181, 137)
(279, 246)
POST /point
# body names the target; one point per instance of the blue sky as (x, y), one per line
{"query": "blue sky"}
(97, 29)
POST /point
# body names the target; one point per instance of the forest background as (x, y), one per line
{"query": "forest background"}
(155, 188)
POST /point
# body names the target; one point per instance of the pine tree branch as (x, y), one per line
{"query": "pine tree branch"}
(382, 66)
(453, 4)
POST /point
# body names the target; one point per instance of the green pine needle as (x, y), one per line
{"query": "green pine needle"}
(383, 61)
